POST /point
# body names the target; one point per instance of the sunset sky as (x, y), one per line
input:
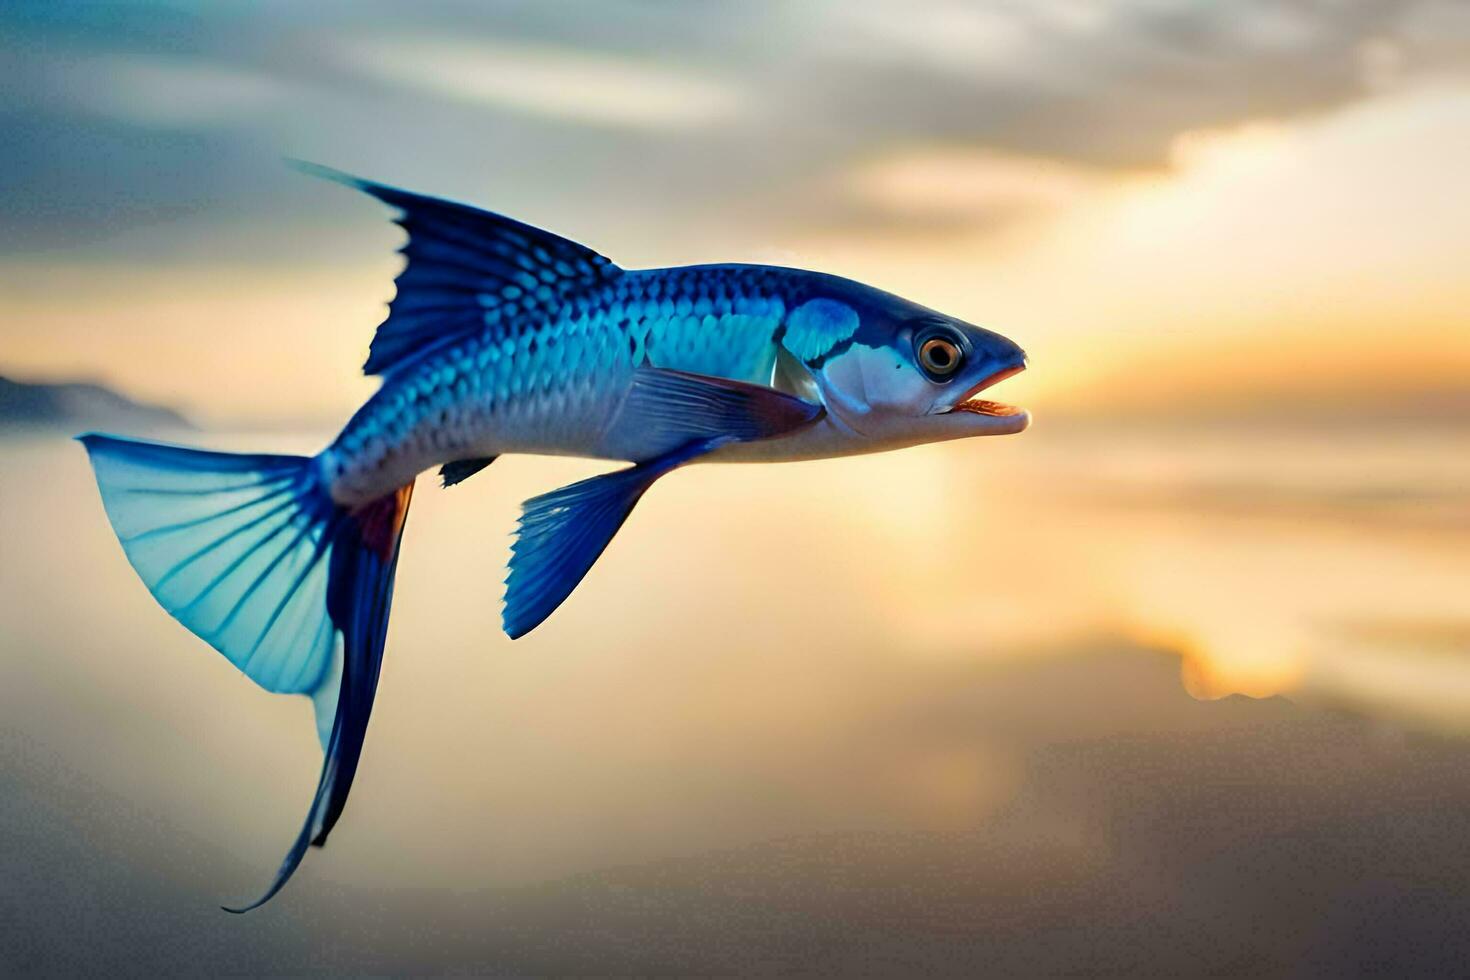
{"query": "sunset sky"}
(1108, 697)
(1168, 204)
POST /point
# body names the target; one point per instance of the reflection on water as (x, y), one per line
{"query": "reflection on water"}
(906, 693)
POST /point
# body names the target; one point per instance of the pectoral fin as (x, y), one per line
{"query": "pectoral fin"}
(665, 410)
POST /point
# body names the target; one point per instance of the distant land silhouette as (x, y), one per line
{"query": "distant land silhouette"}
(78, 405)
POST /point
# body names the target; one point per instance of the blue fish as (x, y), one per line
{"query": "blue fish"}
(504, 338)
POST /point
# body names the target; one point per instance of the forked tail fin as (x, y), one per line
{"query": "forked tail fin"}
(252, 555)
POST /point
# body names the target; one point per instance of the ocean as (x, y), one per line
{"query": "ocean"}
(1101, 697)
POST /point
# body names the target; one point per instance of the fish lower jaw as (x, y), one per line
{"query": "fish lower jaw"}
(983, 406)
(970, 403)
(980, 417)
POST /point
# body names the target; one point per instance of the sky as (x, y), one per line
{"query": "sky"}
(963, 703)
(1168, 203)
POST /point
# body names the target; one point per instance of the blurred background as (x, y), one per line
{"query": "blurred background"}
(1178, 681)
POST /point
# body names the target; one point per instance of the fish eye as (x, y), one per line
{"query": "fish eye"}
(940, 356)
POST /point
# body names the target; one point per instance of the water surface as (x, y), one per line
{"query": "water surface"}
(888, 713)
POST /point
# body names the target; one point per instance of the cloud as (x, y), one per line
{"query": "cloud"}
(1291, 265)
(563, 83)
(963, 39)
(171, 93)
(1107, 86)
(726, 129)
(973, 185)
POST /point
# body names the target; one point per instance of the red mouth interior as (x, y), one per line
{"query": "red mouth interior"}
(980, 406)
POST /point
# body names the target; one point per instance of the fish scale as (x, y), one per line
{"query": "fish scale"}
(549, 384)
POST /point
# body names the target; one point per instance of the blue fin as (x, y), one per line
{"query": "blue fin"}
(667, 419)
(461, 470)
(468, 270)
(666, 409)
(232, 546)
(561, 534)
(251, 554)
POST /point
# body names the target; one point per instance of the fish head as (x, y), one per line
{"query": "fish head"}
(909, 375)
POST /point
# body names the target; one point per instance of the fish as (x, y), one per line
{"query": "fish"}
(503, 338)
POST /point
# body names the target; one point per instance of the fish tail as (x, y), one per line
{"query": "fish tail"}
(253, 556)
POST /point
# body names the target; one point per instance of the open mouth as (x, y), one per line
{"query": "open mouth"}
(971, 402)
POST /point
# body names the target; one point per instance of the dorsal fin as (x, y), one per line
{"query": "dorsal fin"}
(467, 270)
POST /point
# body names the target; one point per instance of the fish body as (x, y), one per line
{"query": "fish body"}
(551, 382)
(504, 338)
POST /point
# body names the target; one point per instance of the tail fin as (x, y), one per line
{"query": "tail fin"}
(253, 556)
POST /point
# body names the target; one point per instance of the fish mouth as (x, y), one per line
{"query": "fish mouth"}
(969, 402)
